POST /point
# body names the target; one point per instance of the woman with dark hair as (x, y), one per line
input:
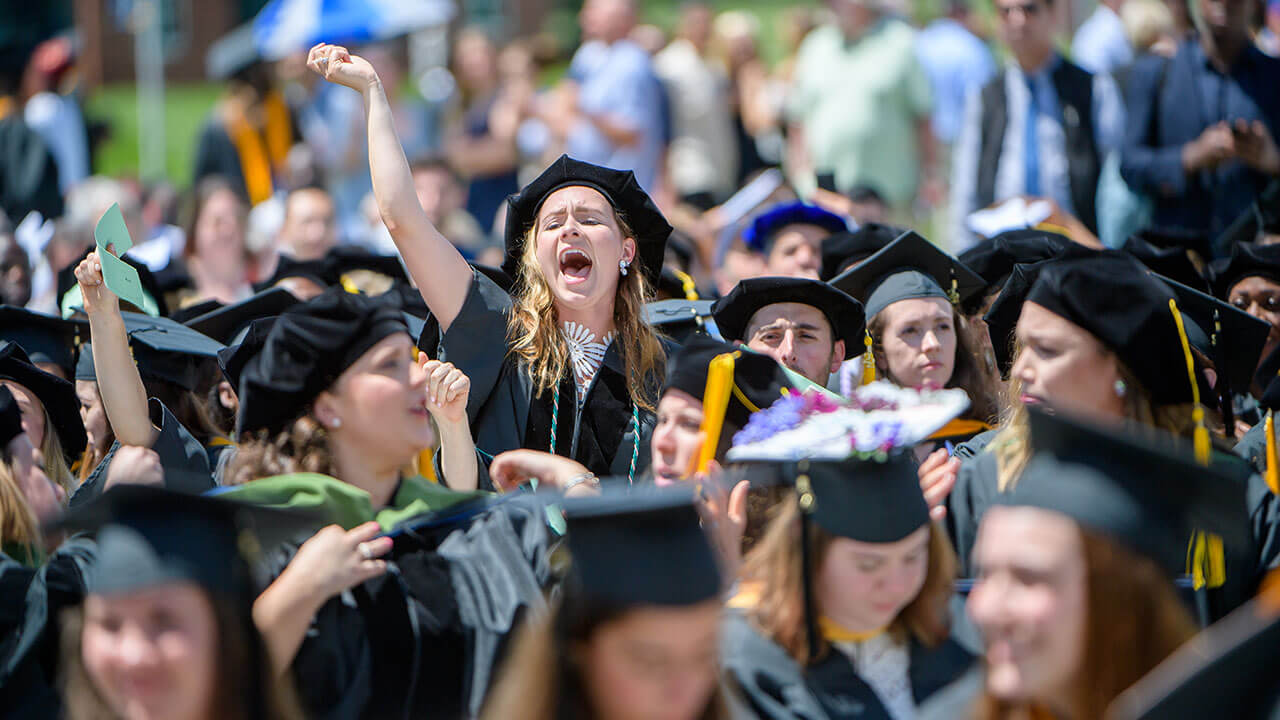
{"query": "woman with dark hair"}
(166, 628)
(215, 253)
(582, 367)
(634, 633)
(843, 604)
(1074, 595)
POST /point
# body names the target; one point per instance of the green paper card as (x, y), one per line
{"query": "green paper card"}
(119, 277)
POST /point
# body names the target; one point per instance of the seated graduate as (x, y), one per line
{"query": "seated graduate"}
(568, 364)
(146, 372)
(1075, 597)
(333, 412)
(790, 235)
(50, 414)
(634, 632)
(49, 341)
(912, 293)
(808, 326)
(1250, 280)
(843, 605)
(39, 574)
(1101, 337)
(165, 629)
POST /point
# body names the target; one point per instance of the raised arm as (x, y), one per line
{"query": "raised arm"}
(442, 275)
(123, 396)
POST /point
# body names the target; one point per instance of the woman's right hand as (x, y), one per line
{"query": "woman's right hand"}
(97, 297)
(335, 64)
(335, 560)
(937, 478)
(513, 468)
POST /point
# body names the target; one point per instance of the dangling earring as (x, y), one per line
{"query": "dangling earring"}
(337, 423)
(1121, 388)
(622, 265)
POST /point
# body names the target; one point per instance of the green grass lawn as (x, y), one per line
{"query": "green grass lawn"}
(186, 107)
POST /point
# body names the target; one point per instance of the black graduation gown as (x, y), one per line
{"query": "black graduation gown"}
(504, 413)
(424, 640)
(31, 604)
(771, 683)
(184, 459)
(977, 489)
(1253, 447)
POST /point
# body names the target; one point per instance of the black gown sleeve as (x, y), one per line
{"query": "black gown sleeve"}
(976, 487)
(184, 459)
(761, 676)
(476, 341)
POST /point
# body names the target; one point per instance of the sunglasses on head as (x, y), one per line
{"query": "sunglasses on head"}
(1029, 9)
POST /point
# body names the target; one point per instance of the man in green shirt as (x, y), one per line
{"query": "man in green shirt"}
(859, 105)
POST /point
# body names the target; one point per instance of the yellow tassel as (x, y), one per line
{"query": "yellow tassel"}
(868, 360)
(687, 284)
(1273, 463)
(715, 401)
(1203, 446)
(1208, 561)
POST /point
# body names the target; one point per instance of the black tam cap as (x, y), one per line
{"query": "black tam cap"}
(1114, 298)
(10, 417)
(309, 346)
(733, 312)
(1233, 339)
(1145, 491)
(228, 323)
(994, 259)
(150, 536)
(874, 501)
(58, 397)
(1225, 671)
(163, 350)
(679, 319)
(641, 548)
(909, 267)
(232, 359)
(758, 380)
(45, 338)
(619, 187)
(322, 272)
(842, 250)
(1247, 260)
(1171, 262)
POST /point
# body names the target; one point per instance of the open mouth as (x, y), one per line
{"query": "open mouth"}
(575, 264)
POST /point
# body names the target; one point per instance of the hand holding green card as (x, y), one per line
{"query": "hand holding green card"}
(118, 276)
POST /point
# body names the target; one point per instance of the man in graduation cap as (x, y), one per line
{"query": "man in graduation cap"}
(789, 236)
(806, 325)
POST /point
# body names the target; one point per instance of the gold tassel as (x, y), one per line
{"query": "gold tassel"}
(715, 401)
(868, 360)
(1208, 561)
(687, 284)
(1203, 446)
(1273, 463)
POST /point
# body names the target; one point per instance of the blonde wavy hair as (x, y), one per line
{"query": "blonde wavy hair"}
(18, 523)
(534, 328)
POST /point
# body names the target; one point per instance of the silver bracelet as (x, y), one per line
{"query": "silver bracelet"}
(580, 478)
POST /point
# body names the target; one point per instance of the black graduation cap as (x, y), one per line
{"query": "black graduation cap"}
(909, 267)
(149, 536)
(1175, 238)
(45, 338)
(226, 323)
(676, 284)
(1171, 262)
(644, 547)
(759, 235)
(1145, 491)
(345, 259)
(619, 187)
(874, 501)
(232, 359)
(195, 310)
(66, 283)
(733, 311)
(57, 395)
(307, 348)
(758, 380)
(1247, 260)
(163, 350)
(678, 319)
(322, 272)
(842, 250)
(994, 259)
(10, 417)
(1113, 297)
(1234, 338)
(1227, 670)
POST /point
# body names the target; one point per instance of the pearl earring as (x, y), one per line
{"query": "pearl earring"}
(622, 265)
(337, 423)
(1121, 388)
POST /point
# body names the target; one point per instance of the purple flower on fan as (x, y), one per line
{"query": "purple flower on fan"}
(785, 413)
